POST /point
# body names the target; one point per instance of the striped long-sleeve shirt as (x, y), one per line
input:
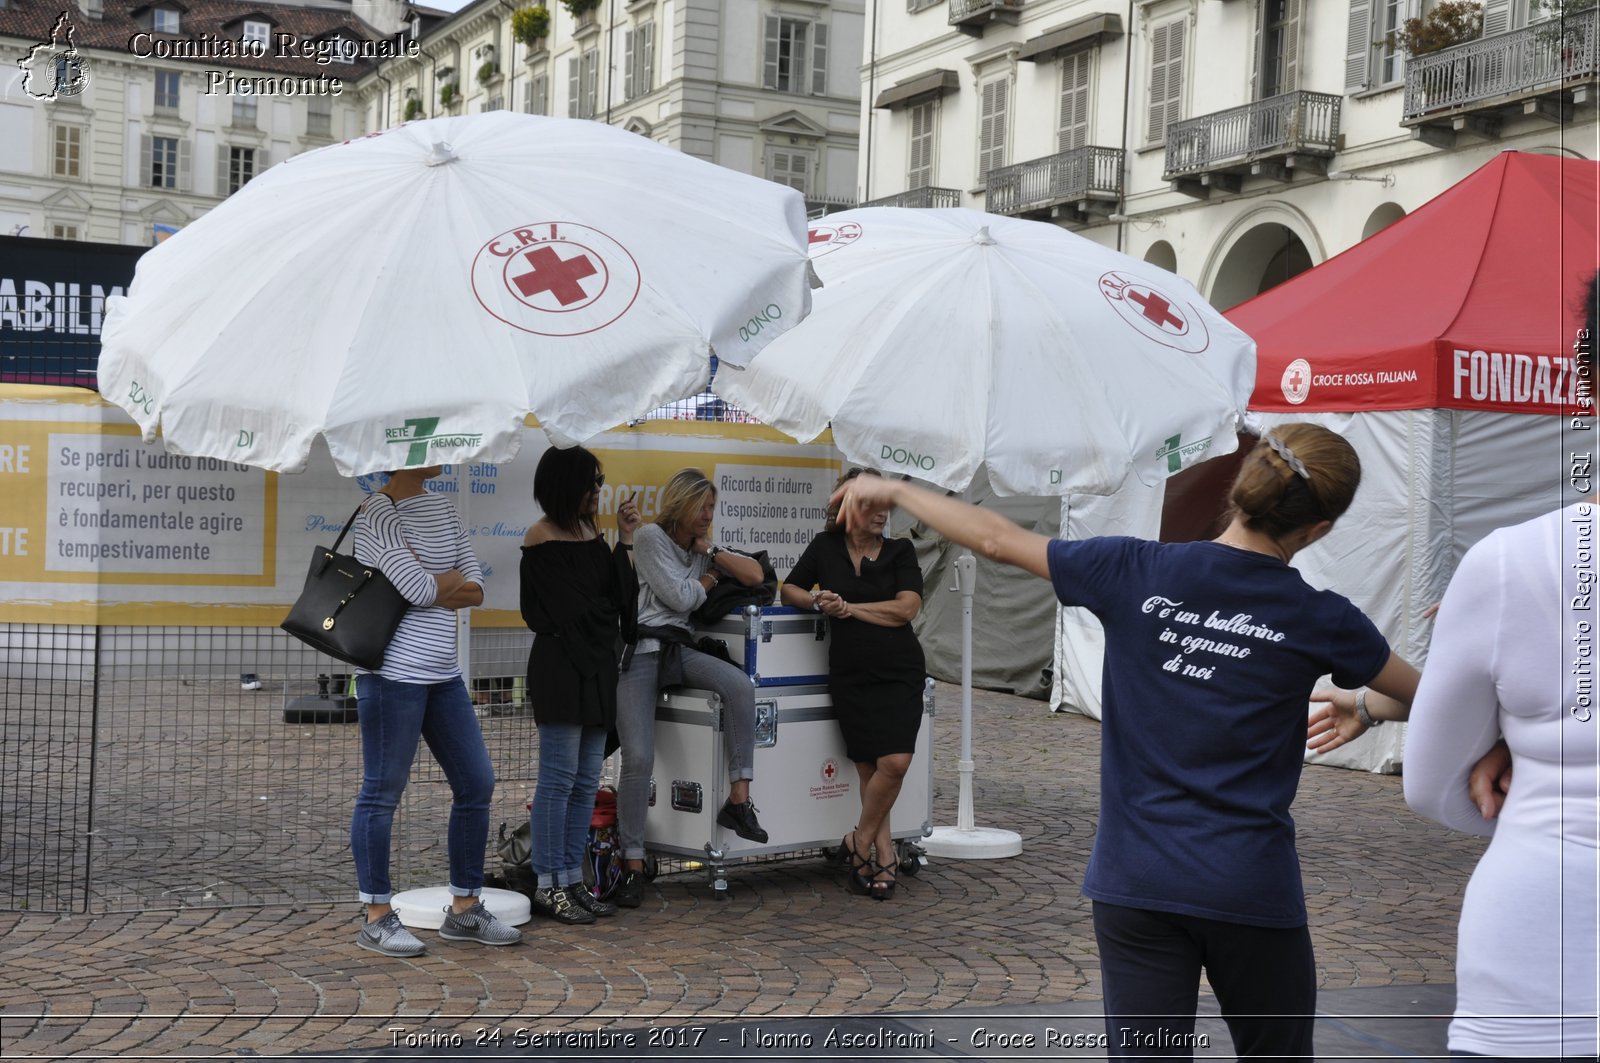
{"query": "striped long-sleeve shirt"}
(411, 541)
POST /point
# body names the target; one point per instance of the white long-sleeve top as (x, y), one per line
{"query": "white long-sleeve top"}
(1514, 653)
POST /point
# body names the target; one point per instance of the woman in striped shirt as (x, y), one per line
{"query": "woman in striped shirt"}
(417, 540)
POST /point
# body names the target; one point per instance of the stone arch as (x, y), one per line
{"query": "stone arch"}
(1161, 254)
(1260, 249)
(1386, 215)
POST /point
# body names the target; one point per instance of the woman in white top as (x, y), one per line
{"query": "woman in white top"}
(417, 540)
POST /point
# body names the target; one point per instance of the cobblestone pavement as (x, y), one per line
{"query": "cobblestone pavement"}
(789, 942)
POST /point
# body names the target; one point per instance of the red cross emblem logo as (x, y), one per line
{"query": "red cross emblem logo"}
(555, 278)
(1170, 321)
(1296, 381)
(825, 239)
(830, 770)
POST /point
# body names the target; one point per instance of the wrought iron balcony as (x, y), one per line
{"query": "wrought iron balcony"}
(1083, 182)
(971, 16)
(1544, 70)
(919, 197)
(1273, 138)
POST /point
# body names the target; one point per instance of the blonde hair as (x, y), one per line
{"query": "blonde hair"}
(682, 498)
(1298, 474)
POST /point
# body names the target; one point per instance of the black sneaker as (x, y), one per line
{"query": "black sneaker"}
(741, 819)
(558, 905)
(629, 891)
(589, 902)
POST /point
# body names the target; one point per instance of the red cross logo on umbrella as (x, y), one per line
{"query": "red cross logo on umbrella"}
(1157, 314)
(555, 278)
(821, 239)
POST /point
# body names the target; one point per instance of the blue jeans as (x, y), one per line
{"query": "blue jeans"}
(570, 757)
(392, 717)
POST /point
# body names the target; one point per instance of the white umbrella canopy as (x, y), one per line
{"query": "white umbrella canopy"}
(949, 340)
(412, 295)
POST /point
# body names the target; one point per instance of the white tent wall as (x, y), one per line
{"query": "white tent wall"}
(1080, 640)
(1013, 612)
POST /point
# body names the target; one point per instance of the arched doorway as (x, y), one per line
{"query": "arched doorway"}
(1161, 254)
(1380, 219)
(1267, 255)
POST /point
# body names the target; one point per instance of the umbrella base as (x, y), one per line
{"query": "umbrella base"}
(972, 843)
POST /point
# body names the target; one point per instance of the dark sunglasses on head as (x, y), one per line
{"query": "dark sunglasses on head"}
(599, 479)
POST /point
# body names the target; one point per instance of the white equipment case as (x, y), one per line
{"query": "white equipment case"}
(776, 645)
(805, 787)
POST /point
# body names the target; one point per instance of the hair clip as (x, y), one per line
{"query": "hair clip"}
(1283, 451)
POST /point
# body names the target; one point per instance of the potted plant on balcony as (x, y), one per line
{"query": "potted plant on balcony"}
(413, 109)
(449, 95)
(1451, 23)
(488, 72)
(579, 8)
(531, 25)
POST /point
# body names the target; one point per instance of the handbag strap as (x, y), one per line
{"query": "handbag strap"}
(353, 513)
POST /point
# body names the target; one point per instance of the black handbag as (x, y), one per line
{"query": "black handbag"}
(347, 610)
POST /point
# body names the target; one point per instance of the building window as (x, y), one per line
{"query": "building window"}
(995, 102)
(919, 167)
(1073, 129)
(639, 62)
(1166, 78)
(583, 84)
(167, 85)
(1372, 58)
(256, 33)
(792, 168)
(67, 151)
(794, 48)
(319, 116)
(494, 103)
(62, 231)
(340, 50)
(538, 94)
(238, 166)
(1278, 61)
(166, 162)
(164, 20)
(244, 111)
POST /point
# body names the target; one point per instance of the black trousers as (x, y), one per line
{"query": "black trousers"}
(1265, 980)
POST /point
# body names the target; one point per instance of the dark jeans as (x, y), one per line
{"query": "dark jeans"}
(1265, 980)
(393, 716)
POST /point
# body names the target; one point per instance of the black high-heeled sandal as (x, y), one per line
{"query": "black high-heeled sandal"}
(882, 889)
(856, 865)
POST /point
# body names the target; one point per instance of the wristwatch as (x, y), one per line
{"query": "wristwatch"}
(1361, 710)
(712, 551)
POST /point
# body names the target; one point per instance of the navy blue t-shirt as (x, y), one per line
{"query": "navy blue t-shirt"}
(1211, 655)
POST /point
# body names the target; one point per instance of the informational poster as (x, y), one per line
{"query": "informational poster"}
(99, 526)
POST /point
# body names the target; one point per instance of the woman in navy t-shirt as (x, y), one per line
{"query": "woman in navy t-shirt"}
(1212, 650)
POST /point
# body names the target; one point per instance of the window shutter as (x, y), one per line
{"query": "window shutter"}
(1291, 45)
(222, 169)
(1157, 116)
(769, 76)
(185, 168)
(263, 160)
(572, 87)
(1176, 31)
(1258, 50)
(920, 171)
(1358, 47)
(819, 59)
(992, 135)
(1074, 128)
(1496, 17)
(645, 79)
(592, 82)
(628, 61)
(541, 94)
(146, 162)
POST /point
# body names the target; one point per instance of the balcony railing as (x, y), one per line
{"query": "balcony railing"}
(972, 15)
(1078, 176)
(919, 197)
(1519, 63)
(1294, 123)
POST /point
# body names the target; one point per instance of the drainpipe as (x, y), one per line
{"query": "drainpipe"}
(611, 51)
(1127, 85)
(511, 62)
(872, 91)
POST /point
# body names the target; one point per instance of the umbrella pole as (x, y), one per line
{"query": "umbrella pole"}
(965, 841)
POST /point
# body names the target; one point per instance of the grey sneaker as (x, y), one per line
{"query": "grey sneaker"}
(478, 924)
(389, 936)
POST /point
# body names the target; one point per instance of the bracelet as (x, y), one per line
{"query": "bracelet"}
(1361, 710)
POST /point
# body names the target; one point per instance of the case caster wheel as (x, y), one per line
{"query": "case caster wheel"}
(911, 858)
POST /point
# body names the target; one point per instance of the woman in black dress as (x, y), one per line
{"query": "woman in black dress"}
(578, 596)
(871, 587)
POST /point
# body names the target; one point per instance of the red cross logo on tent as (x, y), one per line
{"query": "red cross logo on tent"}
(551, 273)
(555, 278)
(1296, 382)
(1155, 311)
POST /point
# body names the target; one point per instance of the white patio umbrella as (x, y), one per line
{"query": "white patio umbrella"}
(412, 295)
(951, 340)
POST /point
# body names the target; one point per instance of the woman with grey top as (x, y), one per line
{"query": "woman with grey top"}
(677, 565)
